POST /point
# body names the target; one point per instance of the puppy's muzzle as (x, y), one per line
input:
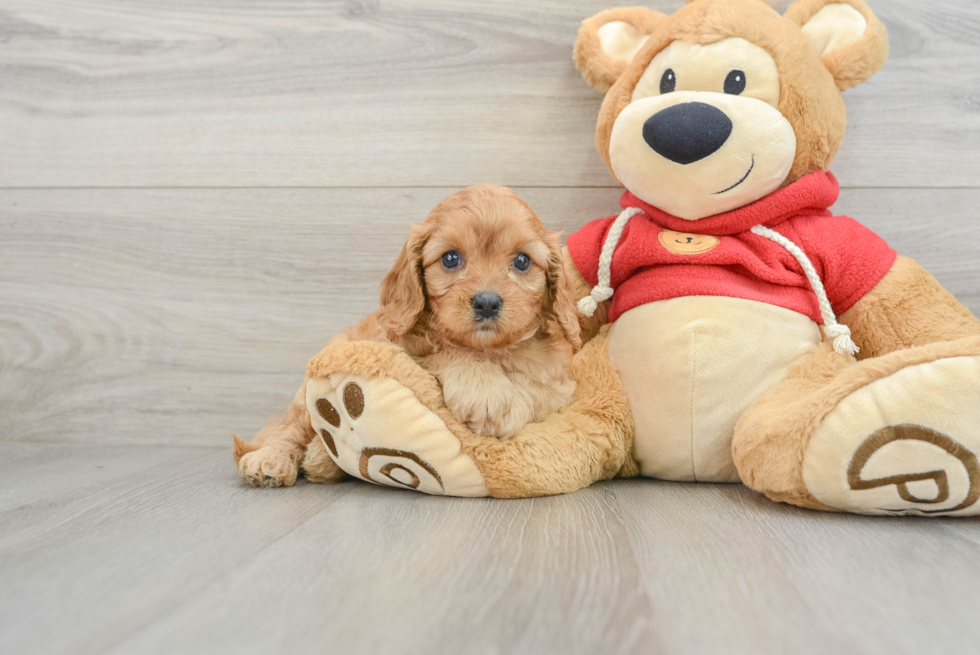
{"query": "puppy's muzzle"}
(688, 132)
(486, 305)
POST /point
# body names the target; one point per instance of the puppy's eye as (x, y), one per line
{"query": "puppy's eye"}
(735, 83)
(668, 82)
(450, 260)
(522, 262)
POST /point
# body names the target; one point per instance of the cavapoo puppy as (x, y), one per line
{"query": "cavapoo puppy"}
(479, 297)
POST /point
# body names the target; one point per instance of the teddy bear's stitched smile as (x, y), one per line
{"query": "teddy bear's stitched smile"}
(744, 177)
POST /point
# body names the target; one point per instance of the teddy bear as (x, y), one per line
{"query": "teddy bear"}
(737, 330)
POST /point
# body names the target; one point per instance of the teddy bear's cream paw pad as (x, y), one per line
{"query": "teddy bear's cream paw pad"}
(378, 431)
(905, 444)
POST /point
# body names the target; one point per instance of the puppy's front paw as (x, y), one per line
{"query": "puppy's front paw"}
(268, 468)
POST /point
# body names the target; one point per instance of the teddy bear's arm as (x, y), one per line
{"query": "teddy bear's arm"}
(590, 325)
(587, 441)
(907, 308)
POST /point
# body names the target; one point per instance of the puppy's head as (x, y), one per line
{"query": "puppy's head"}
(482, 272)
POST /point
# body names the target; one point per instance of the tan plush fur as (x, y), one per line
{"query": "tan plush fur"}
(907, 308)
(498, 374)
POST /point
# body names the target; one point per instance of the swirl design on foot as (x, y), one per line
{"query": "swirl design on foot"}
(386, 470)
(910, 432)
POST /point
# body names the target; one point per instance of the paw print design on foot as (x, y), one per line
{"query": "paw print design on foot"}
(906, 444)
(375, 427)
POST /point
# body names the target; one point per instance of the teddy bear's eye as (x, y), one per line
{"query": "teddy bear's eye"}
(735, 82)
(668, 82)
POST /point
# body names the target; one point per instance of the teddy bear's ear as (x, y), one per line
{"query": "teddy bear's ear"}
(849, 39)
(607, 42)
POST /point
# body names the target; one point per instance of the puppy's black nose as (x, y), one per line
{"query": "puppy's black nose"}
(687, 133)
(486, 305)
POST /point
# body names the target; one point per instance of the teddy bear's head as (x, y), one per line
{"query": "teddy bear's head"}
(724, 101)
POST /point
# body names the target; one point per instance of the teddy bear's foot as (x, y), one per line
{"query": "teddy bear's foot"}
(364, 404)
(907, 443)
(890, 435)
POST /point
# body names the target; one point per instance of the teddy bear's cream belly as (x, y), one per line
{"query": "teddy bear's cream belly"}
(691, 366)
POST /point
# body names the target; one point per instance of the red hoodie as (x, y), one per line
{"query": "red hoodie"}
(658, 258)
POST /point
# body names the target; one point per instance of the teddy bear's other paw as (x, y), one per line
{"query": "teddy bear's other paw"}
(266, 467)
(908, 443)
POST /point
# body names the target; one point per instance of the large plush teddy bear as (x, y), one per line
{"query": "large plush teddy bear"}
(741, 331)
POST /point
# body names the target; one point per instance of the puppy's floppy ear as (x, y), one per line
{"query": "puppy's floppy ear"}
(607, 42)
(849, 39)
(403, 289)
(561, 304)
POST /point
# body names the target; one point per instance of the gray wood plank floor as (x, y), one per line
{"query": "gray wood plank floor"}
(164, 551)
(195, 196)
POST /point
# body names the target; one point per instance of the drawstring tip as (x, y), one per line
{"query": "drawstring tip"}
(587, 306)
(843, 343)
(846, 346)
(590, 303)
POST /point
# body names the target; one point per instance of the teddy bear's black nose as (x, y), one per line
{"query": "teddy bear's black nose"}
(687, 133)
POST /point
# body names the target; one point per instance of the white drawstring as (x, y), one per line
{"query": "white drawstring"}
(602, 291)
(841, 334)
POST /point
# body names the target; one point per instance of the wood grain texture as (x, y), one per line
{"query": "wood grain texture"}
(729, 571)
(407, 93)
(183, 558)
(181, 316)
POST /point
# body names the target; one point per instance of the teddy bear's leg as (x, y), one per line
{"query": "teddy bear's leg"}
(896, 433)
(382, 419)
